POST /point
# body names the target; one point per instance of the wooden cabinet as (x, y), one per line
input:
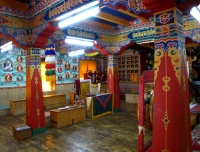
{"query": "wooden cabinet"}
(132, 98)
(54, 101)
(98, 107)
(63, 118)
(129, 68)
(17, 107)
(129, 72)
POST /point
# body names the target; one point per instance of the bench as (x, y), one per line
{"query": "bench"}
(54, 101)
(4, 110)
(18, 107)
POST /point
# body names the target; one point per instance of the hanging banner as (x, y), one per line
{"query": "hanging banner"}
(80, 33)
(141, 35)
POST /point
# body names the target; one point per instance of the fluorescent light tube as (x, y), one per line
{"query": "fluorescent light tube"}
(79, 17)
(78, 41)
(5, 44)
(6, 47)
(143, 42)
(75, 53)
(78, 10)
(198, 6)
(195, 13)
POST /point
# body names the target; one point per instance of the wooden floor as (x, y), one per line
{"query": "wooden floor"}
(112, 133)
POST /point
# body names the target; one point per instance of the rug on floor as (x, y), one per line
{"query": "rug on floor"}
(196, 138)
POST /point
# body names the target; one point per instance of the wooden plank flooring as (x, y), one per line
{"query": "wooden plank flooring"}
(112, 133)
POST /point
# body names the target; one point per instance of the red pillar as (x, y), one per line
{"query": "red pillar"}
(171, 121)
(34, 96)
(113, 81)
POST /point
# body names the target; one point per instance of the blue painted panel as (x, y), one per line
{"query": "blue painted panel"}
(102, 21)
(117, 14)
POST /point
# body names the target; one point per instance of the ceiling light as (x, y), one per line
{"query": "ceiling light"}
(6, 47)
(79, 41)
(5, 44)
(79, 17)
(143, 42)
(195, 12)
(78, 10)
(78, 52)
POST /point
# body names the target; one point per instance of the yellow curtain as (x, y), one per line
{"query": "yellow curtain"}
(86, 65)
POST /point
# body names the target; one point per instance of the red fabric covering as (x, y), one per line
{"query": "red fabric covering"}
(77, 86)
(103, 99)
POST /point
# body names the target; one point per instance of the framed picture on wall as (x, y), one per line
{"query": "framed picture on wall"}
(19, 77)
(74, 68)
(8, 77)
(67, 66)
(60, 78)
(67, 75)
(19, 59)
(7, 65)
(19, 68)
(59, 69)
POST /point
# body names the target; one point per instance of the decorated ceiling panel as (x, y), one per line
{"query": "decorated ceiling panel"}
(129, 18)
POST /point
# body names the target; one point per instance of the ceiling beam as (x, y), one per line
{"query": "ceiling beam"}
(98, 24)
(14, 4)
(112, 19)
(133, 15)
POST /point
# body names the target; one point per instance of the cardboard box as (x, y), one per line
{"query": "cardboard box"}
(21, 131)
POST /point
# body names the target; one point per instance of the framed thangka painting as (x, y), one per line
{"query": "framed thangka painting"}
(66, 69)
(13, 68)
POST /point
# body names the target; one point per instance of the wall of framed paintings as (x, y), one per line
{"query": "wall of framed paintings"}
(13, 68)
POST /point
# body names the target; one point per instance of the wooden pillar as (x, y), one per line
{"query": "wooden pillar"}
(113, 81)
(34, 96)
(171, 116)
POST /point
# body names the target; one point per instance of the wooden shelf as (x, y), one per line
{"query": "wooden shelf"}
(129, 68)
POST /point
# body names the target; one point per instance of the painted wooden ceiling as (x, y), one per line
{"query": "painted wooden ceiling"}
(117, 13)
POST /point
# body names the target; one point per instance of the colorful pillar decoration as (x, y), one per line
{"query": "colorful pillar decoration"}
(113, 81)
(171, 115)
(34, 96)
(50, 64)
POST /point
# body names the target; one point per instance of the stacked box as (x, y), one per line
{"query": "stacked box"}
(21, 131)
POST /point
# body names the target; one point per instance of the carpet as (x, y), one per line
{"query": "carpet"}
(196, 138)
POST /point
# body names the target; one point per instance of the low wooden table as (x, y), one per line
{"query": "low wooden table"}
(17, 107)
(63, 118)
(99, 105)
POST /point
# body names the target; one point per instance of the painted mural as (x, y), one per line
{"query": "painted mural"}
(66, 68)
(13, 68)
